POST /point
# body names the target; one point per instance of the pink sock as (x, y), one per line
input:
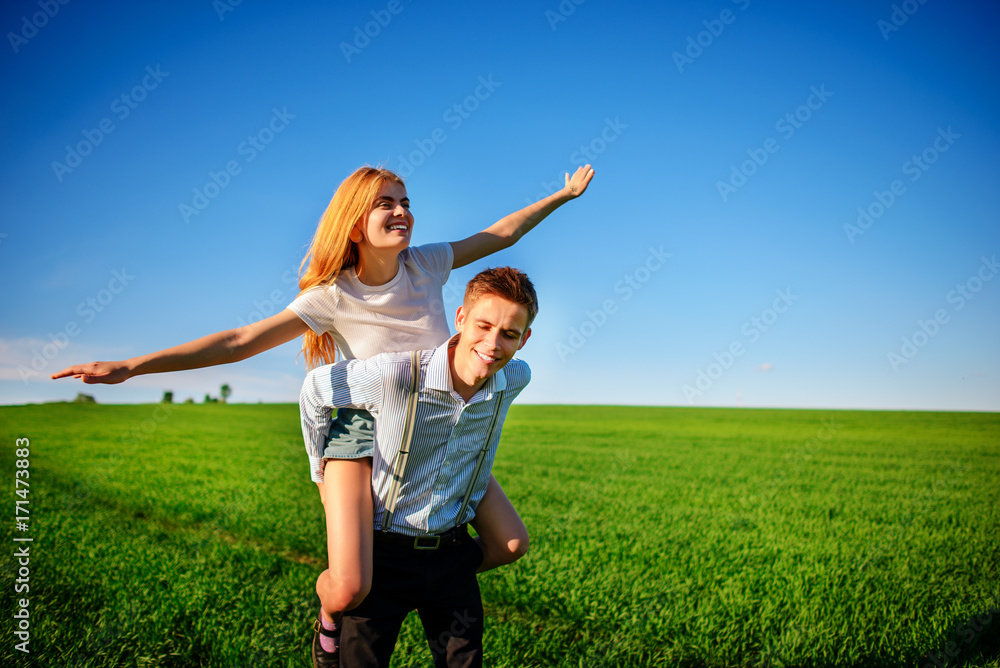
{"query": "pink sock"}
(326, 642)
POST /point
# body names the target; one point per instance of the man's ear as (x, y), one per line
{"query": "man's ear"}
(524, 339)
(459, 318)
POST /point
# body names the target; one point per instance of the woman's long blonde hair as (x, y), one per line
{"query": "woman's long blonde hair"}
(332, 250)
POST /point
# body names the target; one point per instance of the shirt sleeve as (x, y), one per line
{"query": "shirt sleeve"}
(315, 307)
(518, 376)
(346, 384)
(434, 259)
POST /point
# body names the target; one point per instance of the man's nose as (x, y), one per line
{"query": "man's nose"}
(493, 339)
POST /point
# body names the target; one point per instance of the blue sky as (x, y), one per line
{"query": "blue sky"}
(164, 169)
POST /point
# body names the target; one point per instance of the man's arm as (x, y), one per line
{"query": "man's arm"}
(506, 231)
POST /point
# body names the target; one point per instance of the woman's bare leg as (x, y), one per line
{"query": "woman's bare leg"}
(347, 497)
(502, 535)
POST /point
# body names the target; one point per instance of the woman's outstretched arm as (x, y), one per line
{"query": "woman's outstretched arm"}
(231, 345)
(506, 231)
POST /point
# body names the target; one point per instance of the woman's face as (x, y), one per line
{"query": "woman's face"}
(389, 222)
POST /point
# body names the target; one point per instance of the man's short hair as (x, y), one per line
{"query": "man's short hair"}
(506, 282)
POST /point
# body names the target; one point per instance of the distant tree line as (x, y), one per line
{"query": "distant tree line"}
(168, 396)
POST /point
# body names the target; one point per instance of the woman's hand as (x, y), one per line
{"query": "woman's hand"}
(577, 184)
(506, 231)
(97, 372)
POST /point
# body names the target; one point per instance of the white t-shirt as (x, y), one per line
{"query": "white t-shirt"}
(407, 313)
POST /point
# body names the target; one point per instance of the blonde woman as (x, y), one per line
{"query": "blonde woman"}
(364, 291)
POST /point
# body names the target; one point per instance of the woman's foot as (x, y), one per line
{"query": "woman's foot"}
(326, 644)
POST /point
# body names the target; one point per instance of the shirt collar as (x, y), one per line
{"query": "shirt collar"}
(439, 374)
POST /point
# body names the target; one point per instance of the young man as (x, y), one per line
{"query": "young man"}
(424, 558)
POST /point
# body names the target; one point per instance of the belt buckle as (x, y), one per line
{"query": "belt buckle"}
(436, 543)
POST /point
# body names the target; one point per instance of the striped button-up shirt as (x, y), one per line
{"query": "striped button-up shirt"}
(447, 439)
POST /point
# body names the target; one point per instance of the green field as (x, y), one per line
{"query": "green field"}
(191, 536)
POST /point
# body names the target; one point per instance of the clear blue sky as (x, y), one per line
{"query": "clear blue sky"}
(717, 257)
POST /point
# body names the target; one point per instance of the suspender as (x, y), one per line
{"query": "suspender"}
(404, 448)
(399, 466)
(481, 458)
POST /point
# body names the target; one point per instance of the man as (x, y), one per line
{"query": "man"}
(423, 556)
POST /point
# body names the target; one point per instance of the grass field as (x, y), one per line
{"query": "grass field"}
(191, 536)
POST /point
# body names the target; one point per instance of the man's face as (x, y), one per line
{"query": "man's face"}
(490, 331)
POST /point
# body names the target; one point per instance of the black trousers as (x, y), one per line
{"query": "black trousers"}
(440, 585)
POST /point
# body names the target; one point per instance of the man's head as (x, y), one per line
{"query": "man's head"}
(493, 323)
(506, 282)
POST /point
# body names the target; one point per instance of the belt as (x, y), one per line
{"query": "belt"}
(433, 541)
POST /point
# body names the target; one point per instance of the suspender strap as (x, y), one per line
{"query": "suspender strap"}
(399, 468)
(481, 458)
